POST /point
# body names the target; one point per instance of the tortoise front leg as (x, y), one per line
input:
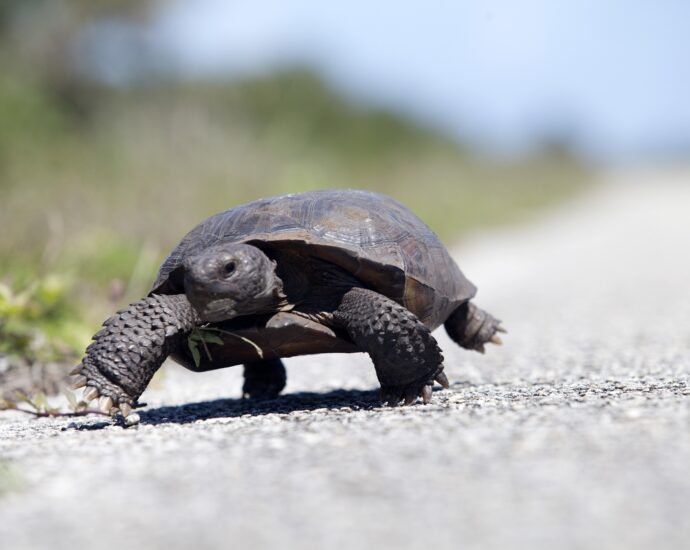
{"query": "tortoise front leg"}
(130, 348)
(405, 354)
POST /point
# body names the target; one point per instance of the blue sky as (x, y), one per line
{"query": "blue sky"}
(500, 74)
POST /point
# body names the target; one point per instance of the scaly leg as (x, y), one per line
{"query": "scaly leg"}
(129, 349)
(471, 327)
(405, 354)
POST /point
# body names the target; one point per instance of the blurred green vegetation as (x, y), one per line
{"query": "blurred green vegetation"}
(41, 332)
(98, 182)
(103, 198)
(38, 323)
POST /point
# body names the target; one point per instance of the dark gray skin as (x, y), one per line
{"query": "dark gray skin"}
(219, 281)
(227, 281)
(333, 271)
(234, 280)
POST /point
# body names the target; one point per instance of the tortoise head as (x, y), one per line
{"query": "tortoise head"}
(228, 280)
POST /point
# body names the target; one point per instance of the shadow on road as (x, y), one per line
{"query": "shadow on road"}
(229, 408)
(349, 400)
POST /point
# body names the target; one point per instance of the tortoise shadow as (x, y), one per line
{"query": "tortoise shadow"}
(284, 404)
(346, 400)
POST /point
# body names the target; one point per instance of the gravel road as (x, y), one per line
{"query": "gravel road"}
(574, 434)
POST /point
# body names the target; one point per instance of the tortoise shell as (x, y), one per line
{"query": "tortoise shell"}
(372, 236)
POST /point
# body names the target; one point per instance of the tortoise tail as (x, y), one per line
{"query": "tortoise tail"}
(471, 327)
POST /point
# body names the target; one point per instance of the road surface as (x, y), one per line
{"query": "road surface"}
(574, 434)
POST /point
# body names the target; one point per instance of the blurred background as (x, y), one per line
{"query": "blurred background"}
(123, 124)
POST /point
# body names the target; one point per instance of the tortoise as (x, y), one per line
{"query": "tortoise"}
(325, 271)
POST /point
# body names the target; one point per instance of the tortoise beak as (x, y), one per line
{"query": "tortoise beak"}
(214, 311)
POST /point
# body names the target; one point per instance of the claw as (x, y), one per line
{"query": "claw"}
(383, 396)
(132, 420)
(442, 379)
(105, 404)
(480, 348)
(390, 398)
(76, 370)
(500, 328)
(495, 340)
(426, 394)
(90, 393)
(125, 409)
(77, 381)
(410, 396)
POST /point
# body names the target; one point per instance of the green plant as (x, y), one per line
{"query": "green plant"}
(41, 335)
(38, 324)
(209, 335)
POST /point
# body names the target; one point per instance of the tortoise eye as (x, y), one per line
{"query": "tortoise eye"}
(229, 268)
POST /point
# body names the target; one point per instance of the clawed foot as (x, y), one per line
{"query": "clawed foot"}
(393, 395)
(129, 348)
(263, 379)
(494, 339)
(111, 398)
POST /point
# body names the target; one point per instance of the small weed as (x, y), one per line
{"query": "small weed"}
(209, 335)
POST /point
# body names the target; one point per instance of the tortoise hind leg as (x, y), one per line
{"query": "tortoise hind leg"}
(405, 354)
(264, 379)
(471, 327)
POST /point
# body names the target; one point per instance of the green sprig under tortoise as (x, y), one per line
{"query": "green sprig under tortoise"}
(319, 272)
